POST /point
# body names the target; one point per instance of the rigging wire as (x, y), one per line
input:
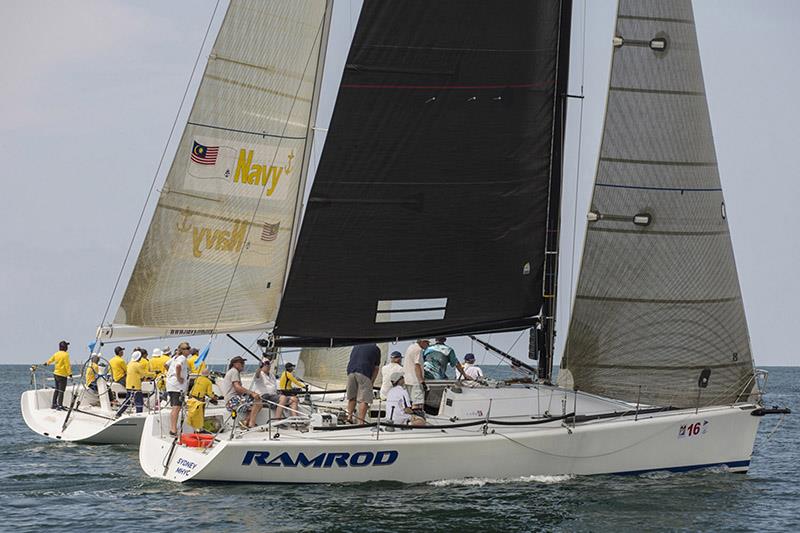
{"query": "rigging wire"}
(578, 158)
(158, 168)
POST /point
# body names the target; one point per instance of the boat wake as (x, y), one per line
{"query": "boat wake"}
(481, 481)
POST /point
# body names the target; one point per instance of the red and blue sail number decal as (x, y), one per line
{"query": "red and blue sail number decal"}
(695, 429)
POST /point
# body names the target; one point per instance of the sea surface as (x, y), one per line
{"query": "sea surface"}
(58, 486)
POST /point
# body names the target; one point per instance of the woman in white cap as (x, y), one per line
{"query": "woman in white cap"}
(398, 403)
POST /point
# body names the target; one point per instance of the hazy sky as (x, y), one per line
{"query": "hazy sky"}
(90, 89)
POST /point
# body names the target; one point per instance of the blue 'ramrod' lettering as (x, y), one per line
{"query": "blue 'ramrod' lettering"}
(322, 460)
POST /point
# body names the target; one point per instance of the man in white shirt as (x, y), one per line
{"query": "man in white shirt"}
(231, 388)
(177, 384)
(395, 358)
(398, 403)
(265, 383)
(414, 376)
(470, 368)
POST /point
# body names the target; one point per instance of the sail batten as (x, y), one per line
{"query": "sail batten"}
(215, 254)
(658, 297)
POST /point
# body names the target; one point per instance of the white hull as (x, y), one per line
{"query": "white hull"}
(620, 445)
(91, 424)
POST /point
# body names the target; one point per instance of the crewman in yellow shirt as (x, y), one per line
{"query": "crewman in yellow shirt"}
(61, 371)
(136, 372)
(288, 394)
(118, 365)
(159, 368)
(196, 405)
(92, 371)
(192, 359)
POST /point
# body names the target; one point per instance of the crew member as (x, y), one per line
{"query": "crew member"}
(398, 403)
(362, 369)
(288, 394)
(202, 390)
(92, 371)
(235, 393)
(470, 368)
(159, 369)
(177, 384)
(414, 375)
(265, 384)
(118, 366)
(136, 372)
(61, 371)
(394, 365)
(437, 357)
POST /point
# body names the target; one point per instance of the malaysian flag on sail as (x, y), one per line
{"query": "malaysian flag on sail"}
(270, 231)
(204, 155)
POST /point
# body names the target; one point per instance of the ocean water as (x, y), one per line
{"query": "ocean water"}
(61, 486)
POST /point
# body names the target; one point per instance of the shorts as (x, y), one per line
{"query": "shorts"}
(271, 398)
(359, 388)
(175, 398)
(417, 394)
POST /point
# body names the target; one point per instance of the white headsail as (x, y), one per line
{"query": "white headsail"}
(216, 252)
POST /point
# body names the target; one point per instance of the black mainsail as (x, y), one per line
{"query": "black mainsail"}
(428, 212)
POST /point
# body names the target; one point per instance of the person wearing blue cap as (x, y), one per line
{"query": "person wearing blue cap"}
(470, 368)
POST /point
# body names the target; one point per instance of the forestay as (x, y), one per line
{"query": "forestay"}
(216, 252)
(658, 296)
(429, 206)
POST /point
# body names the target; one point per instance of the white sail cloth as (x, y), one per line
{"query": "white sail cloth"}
(216, 252)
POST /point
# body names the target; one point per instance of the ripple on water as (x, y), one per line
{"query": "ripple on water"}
(481, 481)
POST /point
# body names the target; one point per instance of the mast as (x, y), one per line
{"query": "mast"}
(312, 121)
(550, 277)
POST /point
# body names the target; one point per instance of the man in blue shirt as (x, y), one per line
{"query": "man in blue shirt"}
(365, 361)
(437, 357)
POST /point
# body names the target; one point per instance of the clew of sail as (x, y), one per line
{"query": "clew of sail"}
(216, 252)
(658, 297)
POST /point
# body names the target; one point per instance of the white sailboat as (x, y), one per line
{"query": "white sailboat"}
(447, 139)
(89, 416)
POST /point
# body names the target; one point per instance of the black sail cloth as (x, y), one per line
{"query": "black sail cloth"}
(428, 210)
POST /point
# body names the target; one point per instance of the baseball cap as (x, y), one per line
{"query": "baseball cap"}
(470, 358)
(63, 345)
(288, 366)
(237, 359)
(118, 350)
(396, 354)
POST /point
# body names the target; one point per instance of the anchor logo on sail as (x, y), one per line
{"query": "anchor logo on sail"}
(185, 224)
